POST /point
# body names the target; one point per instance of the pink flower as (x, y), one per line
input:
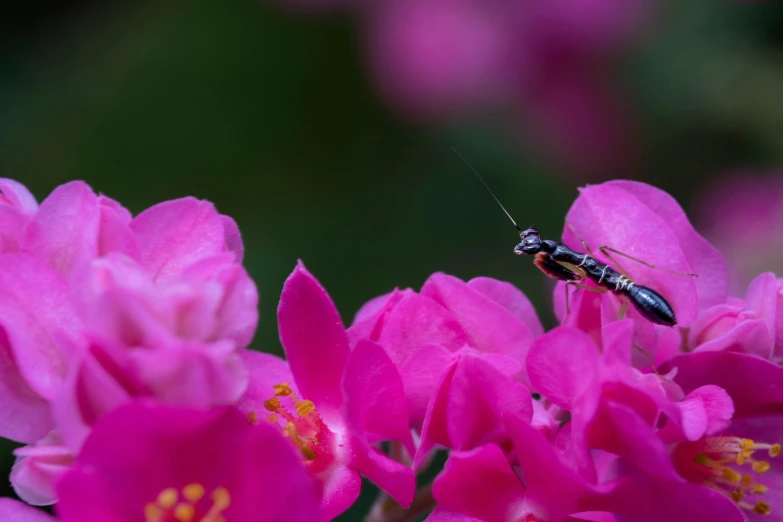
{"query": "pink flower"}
(467, 406)
(334, 404)
(483, 315)
(747, 325)
(740, 213)
(153, 462)
(482, 483)
(98, 307)
(685, 441)
(544, 63)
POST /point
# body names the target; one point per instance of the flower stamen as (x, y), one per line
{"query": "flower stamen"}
(169, 507)
(716, 462)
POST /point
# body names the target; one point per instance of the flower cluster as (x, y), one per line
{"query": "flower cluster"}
(126, 370)
(545, 65)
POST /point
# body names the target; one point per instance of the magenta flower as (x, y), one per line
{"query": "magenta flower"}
(145, 461)
(687, 442)
(334, 404)
(17, 208)
(482, 483)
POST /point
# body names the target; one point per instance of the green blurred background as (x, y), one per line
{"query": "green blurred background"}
(269, 114)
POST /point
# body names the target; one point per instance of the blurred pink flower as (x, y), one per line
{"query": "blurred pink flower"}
(97, 307)
(153, 462)
(333, 403)
(545, 63)
(742, 215)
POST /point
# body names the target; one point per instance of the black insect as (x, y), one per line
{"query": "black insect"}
(560, 262)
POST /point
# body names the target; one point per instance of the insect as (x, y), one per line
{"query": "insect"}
(558, 261)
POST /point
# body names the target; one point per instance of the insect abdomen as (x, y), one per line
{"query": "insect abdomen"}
(651, 305)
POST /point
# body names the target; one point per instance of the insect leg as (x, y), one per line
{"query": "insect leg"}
(594, 289)
(584, 243)
(606, 249)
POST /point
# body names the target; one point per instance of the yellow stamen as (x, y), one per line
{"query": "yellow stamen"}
(304, 408)
(774, 451)
(272, 404)
(193, 492)
(308, 452)
(221, 498)
(283, 389)
(184, 512)
(251, 418)
(152, 513)
(761, 508)
(167, 498)
(273, 418)
(761, 466)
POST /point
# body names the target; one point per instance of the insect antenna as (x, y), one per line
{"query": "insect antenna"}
(489, 189)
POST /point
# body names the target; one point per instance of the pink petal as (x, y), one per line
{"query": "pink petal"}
(12, 224)
(375, 403)
(24, 415)
(314, 340)
(421, 374)
(369, 321)
(417, 320)
(93, 388)
(341, 489)
(38, 320)
(683, 500)
(236, 315)
(707, 410)
(37, 468)
(762, 298)
(479, 397)
(562, 364)
(15, 511)
(480, 484)
(394, 478)
(511, 298)
(233, 238)
(115, 234)
(648, 224)
(18, 196)
(434, 430)
(490, 326)
(64, 232)
(620, 430)
(752, 383)
(554, 488)
(174, 234)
